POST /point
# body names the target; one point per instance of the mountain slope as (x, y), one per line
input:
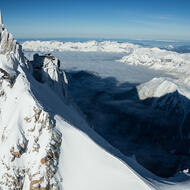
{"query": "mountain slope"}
(40, 147)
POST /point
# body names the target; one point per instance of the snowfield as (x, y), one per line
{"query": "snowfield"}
(46, 141)
(82, 163)
(85, 165)
(158, 87)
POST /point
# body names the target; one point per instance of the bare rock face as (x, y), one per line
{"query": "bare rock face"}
(10, 53)
(46, 164)
(7, 42)
(37, 164)
(46, 70)
(29, 141)
(6, 82)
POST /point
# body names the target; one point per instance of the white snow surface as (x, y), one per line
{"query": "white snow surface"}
(89, 46)
(158, 87)
(87, 166)
(82, 163)
(45, 140)
(158, 59)
(46, 143)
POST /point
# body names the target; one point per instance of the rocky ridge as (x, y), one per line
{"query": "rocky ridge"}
(27, 130)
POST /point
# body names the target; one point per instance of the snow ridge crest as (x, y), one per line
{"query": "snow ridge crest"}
(27, 130)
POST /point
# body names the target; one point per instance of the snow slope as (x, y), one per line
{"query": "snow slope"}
(46, 142)
(158, 87)
(87, 166)
(82, 163)
(170, 94)
(41, 140)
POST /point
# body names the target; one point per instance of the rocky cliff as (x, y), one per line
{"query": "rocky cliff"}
(29, 140)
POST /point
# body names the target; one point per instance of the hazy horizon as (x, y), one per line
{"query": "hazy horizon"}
(145, 20)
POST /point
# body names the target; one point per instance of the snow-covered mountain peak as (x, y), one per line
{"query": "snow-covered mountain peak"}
(11, 54)
(166, 93)
(40, 147)
(27, 130)
(45, 69)
(157, 87)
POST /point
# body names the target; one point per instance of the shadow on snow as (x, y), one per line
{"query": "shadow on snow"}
(142, 133)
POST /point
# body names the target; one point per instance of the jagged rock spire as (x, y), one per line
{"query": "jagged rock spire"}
(1, 19)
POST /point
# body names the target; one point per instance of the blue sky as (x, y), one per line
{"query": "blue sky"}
(131, 19)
